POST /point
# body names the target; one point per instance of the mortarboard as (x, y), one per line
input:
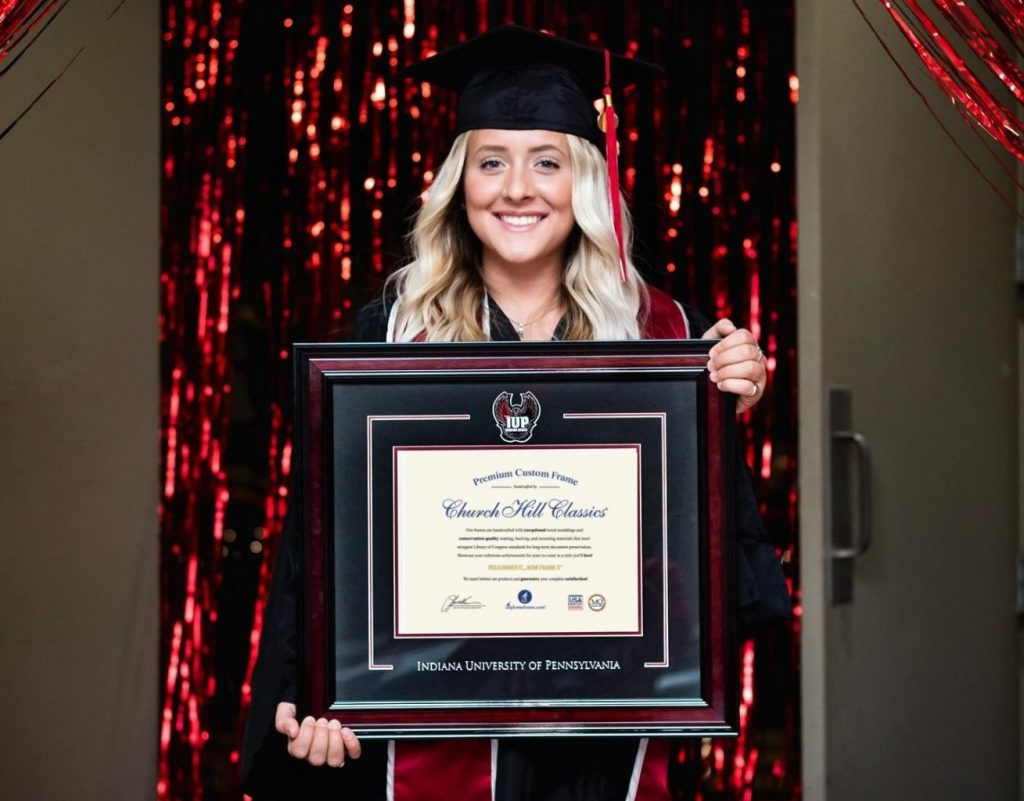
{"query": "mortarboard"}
(514, 78)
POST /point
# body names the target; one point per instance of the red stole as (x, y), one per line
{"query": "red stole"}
(440, 770)
(663, 318)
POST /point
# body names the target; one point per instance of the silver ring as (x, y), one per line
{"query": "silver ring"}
(760, 355)
(754, 391)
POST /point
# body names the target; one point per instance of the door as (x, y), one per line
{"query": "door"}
(906, 300)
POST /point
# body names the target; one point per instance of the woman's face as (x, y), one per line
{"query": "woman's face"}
(518, 193)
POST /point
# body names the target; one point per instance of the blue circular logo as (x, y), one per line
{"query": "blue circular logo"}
(525, 596)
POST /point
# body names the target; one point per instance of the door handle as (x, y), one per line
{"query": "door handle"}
(862, 541)
(850, 495)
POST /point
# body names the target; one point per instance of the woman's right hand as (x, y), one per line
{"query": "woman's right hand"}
(319, 742)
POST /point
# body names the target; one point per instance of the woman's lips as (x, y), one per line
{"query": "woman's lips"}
(519, 221)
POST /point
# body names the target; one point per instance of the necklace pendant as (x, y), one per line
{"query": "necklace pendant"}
(520, 327)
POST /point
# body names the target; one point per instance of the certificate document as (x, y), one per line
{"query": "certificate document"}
(525, 541)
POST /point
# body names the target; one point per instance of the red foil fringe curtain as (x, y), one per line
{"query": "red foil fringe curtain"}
(293, 158)
(946, 34)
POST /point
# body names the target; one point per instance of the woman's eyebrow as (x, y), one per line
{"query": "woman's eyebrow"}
(501, 149)
(542, 148)
(490, 149)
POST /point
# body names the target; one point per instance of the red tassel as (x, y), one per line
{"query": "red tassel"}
(611, 152)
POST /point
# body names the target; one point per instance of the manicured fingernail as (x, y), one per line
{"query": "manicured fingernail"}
(334, 725)
(322, 722)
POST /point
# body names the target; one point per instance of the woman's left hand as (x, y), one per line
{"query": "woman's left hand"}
(737, 363)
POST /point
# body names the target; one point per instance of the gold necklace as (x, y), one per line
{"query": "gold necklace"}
(521, 326)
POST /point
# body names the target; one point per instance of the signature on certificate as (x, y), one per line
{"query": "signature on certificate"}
(455, 602)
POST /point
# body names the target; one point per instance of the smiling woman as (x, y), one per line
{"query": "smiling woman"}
(517, 239)
(517, 230)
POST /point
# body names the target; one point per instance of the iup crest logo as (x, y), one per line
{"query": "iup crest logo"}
(516, 422)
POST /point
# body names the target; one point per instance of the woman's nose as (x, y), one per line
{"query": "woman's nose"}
(519, 185)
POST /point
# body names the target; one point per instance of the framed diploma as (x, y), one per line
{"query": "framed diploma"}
(506, 539)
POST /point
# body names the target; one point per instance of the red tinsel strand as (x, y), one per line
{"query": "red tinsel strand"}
(1010, 204)
(966, 23)
(280, 472)
(942, 54)
(949, 75)
(18, 18)
(197, 292)
(980, 95)
(1007, 14)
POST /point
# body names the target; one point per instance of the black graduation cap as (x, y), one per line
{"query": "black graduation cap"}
(514, 78)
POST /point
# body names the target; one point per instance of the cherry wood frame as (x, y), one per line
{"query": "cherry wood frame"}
(319, 367)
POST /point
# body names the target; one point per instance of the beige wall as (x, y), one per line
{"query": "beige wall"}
(79, 409)
(907, 297)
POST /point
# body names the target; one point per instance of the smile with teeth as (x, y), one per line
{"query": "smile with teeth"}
(520, 220)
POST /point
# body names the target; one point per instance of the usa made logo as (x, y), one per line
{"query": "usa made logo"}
(516, 421)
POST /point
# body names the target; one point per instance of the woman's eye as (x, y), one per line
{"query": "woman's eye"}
(490, 164)
(548, 164)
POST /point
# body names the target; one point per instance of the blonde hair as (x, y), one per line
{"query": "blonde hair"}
(440, 291)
